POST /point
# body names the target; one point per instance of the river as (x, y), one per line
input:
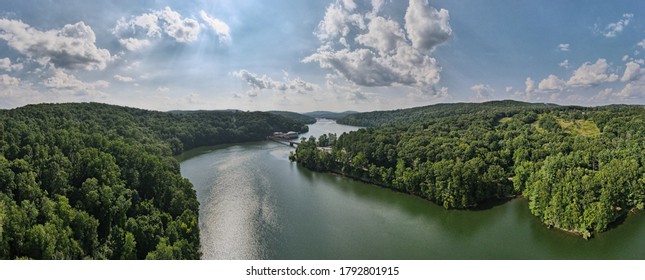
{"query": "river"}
(256, 204)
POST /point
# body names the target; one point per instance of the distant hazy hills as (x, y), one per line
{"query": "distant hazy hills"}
(308, 118)
(311, 117)
(329, 115)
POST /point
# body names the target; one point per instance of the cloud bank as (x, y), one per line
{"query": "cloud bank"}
(258, 83)
(136, 32)
(71, 47)
(371, 50)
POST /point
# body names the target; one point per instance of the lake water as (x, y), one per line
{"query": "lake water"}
(256, 204)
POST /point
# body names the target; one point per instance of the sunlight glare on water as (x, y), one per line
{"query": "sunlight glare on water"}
(255, 204)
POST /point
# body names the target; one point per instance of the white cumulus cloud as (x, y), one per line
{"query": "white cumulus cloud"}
(63, 81)
(6, 65)
(612, 29)
(563, 47)
(181, 29)
(633, 72)
(482, 91)
(529, 86)
(6, 80)
(594, 74)
(257, 83)
(591, 75)
(551, 84)
(157, 23)
(641, 44)
(373, 51)
(169, 24)
(376, 5)
(427, 27)
(634, 75)
(350, 93)
(222, 29)
(124, 79)
(349, 4)
(337, 22)
(632, 90)
(71, 47)
(383, 35)
(134, 44)
(147, 23)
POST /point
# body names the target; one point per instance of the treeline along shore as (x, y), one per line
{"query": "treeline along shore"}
(96, 181)
(581, 168)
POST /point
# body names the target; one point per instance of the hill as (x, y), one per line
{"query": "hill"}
(96, 181)
(295, 116)
(581, 168)
(377, 118)
(329, 115)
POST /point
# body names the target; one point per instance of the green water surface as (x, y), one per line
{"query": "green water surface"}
(255, 204)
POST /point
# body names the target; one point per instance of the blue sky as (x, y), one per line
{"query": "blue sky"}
(320, 55)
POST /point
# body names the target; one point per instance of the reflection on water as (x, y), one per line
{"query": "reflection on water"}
(255, 204)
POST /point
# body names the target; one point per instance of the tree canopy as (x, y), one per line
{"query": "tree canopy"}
(96, 181)
(580, 168)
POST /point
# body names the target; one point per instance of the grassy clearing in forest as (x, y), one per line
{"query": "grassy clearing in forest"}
(579, 127)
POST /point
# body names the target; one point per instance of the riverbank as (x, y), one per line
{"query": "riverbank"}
(481, 206)
(618, 220)
(585, 234)
(255, 204)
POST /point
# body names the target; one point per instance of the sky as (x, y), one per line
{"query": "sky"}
(302, 56)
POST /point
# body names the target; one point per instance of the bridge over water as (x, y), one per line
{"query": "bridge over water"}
(283, 141)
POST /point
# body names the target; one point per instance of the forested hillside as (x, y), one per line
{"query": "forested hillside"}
(407, 116)
(98, 181)
(580, 168)
(329, 115)
(295, 116)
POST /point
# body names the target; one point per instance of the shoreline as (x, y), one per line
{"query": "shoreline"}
(479, 207)
(487, 204)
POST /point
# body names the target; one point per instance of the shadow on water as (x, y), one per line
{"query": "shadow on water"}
(619, 221)
(517, 226)
(458, 222)
(199, 151)
(618, 242)
(297, 213)
(492, 204)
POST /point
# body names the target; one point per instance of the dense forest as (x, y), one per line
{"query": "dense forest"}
(581, 168)
(329, 115)
(295, 116)
(95, 181)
